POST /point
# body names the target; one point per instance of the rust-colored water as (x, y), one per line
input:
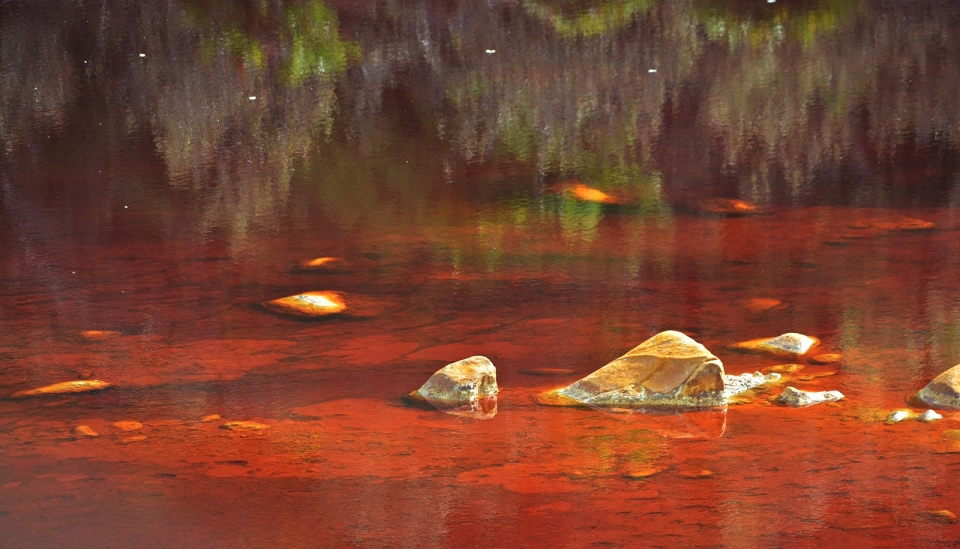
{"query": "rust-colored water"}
(149, 205)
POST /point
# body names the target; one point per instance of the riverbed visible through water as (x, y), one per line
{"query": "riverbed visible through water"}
(547, 184)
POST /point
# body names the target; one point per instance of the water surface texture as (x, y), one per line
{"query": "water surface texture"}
(166, 166)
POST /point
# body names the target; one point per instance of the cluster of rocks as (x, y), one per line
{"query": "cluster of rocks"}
(669, 371)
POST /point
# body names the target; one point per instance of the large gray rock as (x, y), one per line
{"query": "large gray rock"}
(944, 390)
(668, 371)
(467, 387)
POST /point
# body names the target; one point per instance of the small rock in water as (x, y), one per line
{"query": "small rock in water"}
(702, 473)
(97, 335)
(735, 385)
(589, 194)
(897, 416)
(761, 304)
(944, 390)
(929, 416)
(84, 431)
(321, 263)
(730, 207)
(795, 398)
(789, 345)
(668, 371)
(828, 358)
(309, 304)
(467, 387)
(67, 387)
(944, 516)
(637, 474)
(244, 426)
(128, 425)
(785, 368)
(130, 440)
(211, 417)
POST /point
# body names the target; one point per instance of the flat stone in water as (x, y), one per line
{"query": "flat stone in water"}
(128, 425)
(321, 263)
(735, 385)
(827, 358)
(98, 335)
(67, 387)
(789, 345)
(897, 416)
(702, 473)
(795, 398)
(244, 426)
(761, 304)
(785, 368)
(944, 390)
(668, 371)
(309, 304)
(729, 207)
(637, 474)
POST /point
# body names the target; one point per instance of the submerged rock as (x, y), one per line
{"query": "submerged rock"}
(761, 304)
(67, 387)
(785, 368)
(321, 264)
(244, 426)
(309, 304)
(827, 358)
(467, 387)
(944, 390)
(128, 425)
(736, 385)
(668, 371)
(730, 207)
(97, 335)
(795, 398)
(788, 345)
(84, 431)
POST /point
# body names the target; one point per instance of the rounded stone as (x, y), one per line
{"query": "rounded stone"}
(944, 390)
(463, 382)
(84, 431)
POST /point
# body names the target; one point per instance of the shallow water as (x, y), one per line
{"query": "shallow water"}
(165, 168)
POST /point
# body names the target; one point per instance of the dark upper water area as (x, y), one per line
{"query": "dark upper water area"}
(538, 182)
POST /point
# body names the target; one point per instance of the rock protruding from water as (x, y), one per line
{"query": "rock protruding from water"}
(309, 304)
(668, 371)
(795, 398)
(789, 345)
(944, 390)
(736, 385)
(67, 387)
(467, 387)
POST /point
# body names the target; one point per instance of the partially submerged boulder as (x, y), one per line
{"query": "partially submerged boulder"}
(795, 398)
(467, 387)
(668, 371)
(789, 345)
(944, 390)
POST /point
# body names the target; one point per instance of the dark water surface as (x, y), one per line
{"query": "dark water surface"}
(165, 166)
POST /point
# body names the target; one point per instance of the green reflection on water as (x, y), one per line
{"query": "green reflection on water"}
(585, 19)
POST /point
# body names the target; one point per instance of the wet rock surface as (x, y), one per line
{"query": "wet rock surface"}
(789, 345)
(668, 371)
(67, 387)
(309, 304)
(467, 387)
(796, 398)
(944, 390)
